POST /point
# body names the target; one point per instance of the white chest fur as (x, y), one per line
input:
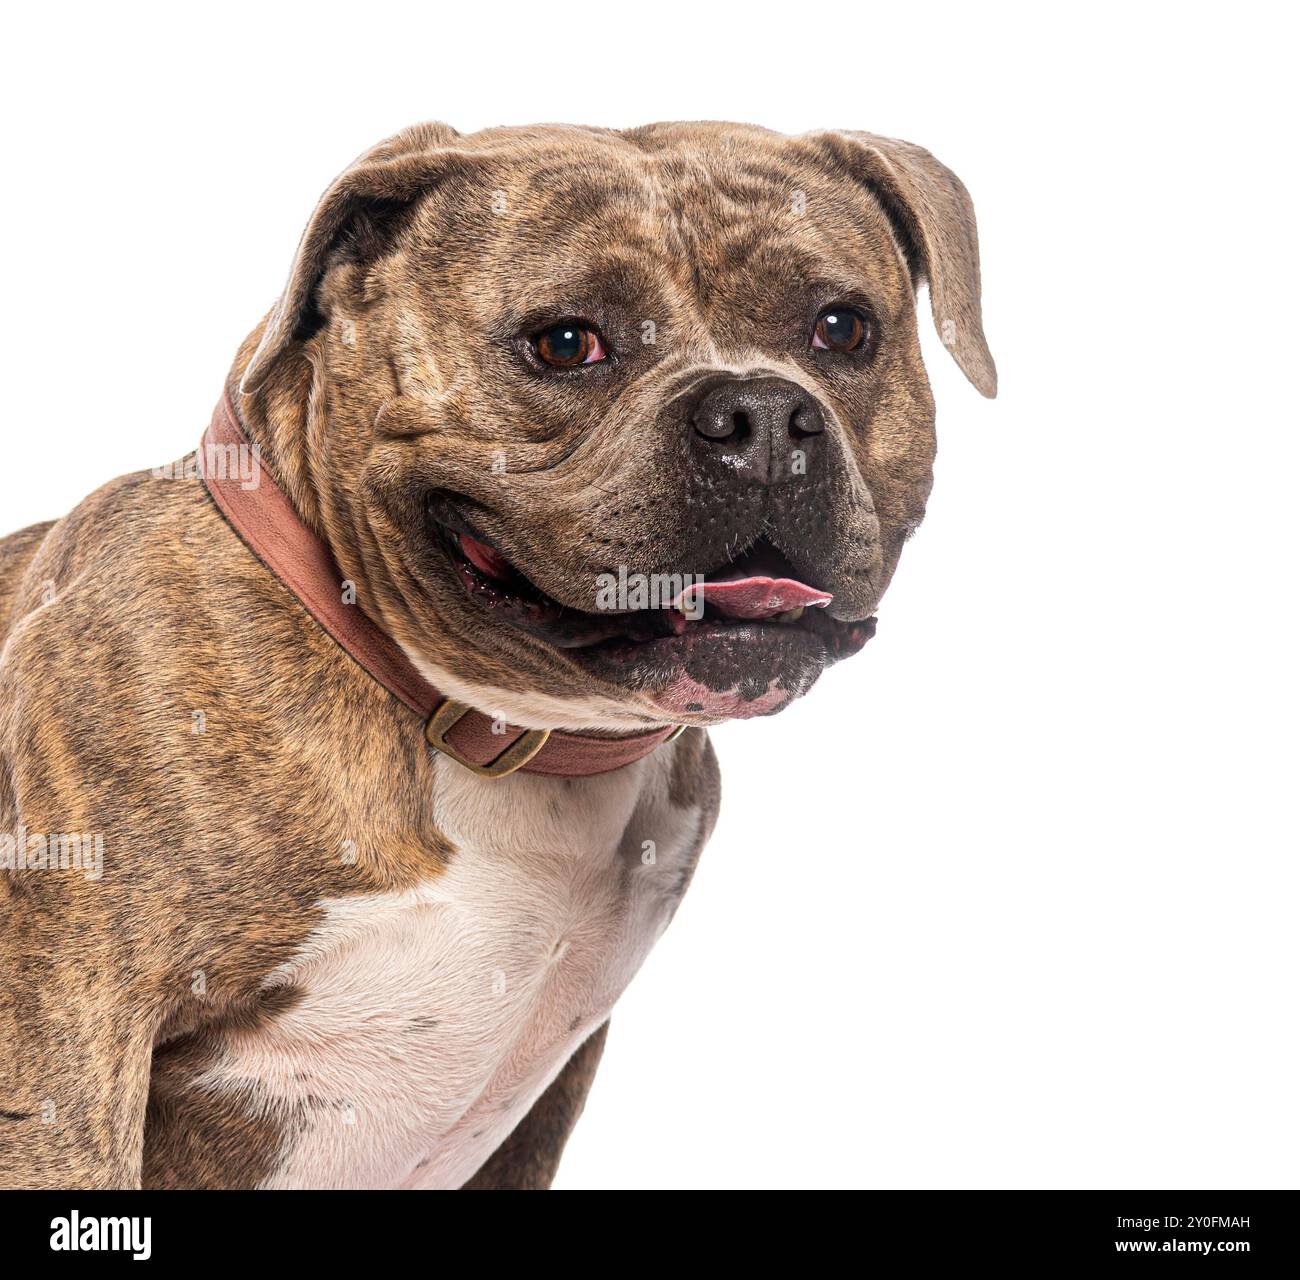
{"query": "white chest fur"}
(429, 1021)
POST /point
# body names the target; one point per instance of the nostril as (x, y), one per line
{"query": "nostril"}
(804, 421)
(711, 426)
(722, 425)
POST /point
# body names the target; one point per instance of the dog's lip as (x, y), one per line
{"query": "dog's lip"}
(450, 513)
(757, 588)
(729, 671)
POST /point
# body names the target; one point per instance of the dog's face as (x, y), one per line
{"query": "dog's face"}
(616, 428)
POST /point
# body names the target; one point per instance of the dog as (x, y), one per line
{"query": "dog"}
(351, 766)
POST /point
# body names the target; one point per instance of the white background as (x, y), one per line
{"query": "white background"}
(1009, 900)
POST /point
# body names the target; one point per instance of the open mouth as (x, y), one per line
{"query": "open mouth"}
(758, 591)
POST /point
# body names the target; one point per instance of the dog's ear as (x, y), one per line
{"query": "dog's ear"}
(363, 204)
(935, 220)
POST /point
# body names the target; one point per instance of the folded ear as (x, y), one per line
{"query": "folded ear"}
(933, 214)
(363, 201)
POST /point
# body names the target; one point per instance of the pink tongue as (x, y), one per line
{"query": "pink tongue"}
(483, 558)
(753, 597)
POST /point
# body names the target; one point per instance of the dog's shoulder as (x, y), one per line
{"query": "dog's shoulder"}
(161, 692)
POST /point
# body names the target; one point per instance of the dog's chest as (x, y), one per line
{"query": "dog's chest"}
(425, 1023)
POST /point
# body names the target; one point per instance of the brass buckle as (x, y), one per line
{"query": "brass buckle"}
(448, 713)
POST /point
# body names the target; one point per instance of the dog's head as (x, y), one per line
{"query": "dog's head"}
(619, 428)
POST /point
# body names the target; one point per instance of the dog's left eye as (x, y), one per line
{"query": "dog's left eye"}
(839, 329)
(568, 345)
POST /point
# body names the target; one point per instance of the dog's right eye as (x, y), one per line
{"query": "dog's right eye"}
(839, 329)
(565, 346)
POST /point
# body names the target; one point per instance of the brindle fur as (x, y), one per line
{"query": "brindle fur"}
(390, 367)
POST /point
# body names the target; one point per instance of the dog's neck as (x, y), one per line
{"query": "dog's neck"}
(282, 412)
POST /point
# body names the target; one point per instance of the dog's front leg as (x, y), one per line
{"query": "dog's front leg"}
(75, 1082)
(528, 1159)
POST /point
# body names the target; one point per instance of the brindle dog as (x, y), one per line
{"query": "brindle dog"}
(319, 952)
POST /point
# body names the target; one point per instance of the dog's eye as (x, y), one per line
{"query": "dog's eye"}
(568, 345)
(839, 329)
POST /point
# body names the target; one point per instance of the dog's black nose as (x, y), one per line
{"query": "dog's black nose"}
(755, 424)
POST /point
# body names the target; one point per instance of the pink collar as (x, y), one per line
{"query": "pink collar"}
(265, 519)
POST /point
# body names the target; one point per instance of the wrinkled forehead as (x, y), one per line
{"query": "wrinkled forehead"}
(699, 222)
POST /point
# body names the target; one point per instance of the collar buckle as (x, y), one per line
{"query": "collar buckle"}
(448, 713)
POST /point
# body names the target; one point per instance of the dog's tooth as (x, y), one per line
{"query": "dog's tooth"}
(791, 615)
